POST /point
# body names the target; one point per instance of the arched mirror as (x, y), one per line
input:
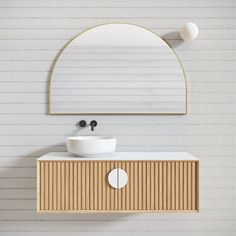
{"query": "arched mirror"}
(117, 69)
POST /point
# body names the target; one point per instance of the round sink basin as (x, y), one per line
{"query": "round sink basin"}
(90, 145)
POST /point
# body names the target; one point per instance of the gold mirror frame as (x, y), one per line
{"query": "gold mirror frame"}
(113, 113)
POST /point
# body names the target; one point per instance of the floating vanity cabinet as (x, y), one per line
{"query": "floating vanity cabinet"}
(122, 182)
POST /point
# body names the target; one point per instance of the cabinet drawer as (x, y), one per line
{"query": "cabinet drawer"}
(82, 186)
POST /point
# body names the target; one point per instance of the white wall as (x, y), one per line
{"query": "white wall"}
(31, 34)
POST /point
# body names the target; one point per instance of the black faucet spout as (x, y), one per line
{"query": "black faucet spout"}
(93, 124)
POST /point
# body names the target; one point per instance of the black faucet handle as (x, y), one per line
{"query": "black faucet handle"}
(82, 123)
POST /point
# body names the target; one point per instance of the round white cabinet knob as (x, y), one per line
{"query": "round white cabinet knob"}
(117, 178)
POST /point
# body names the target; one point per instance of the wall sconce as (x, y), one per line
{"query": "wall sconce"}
(189, 31)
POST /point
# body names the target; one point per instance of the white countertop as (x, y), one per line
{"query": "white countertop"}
(121, 156)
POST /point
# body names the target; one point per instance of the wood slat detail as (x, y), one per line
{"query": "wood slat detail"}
(169, 174)
(193, 186)
(67, 182)
(54, 182)
(71, 186)
(86, 182)
(91, 186)
(181, 188)
(79, 184)
(173, 186)
(122, 192)
(41, 192)
(104, 184)
(108, 188)
(148, 185)
(75, 185)
(83, 185)
(131, 181)
(58, 194)
(164, 184)
(177, 185)
(99, 195)
(63, 185)
(185, 186)
(160, 190)
(156, 185)
(46, 183)
(152, 186)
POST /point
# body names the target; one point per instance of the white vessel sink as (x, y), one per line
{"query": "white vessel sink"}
(84, 146)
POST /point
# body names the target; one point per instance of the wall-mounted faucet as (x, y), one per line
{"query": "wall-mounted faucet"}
(93, 124)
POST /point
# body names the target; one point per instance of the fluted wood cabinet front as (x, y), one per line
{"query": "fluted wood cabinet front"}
(82, 186)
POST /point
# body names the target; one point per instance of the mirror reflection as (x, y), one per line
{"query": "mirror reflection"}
(117, 69)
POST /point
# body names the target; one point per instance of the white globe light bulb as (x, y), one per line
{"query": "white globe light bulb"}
(189, 31)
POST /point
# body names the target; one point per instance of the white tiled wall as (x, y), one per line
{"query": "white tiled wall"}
(31, 34)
